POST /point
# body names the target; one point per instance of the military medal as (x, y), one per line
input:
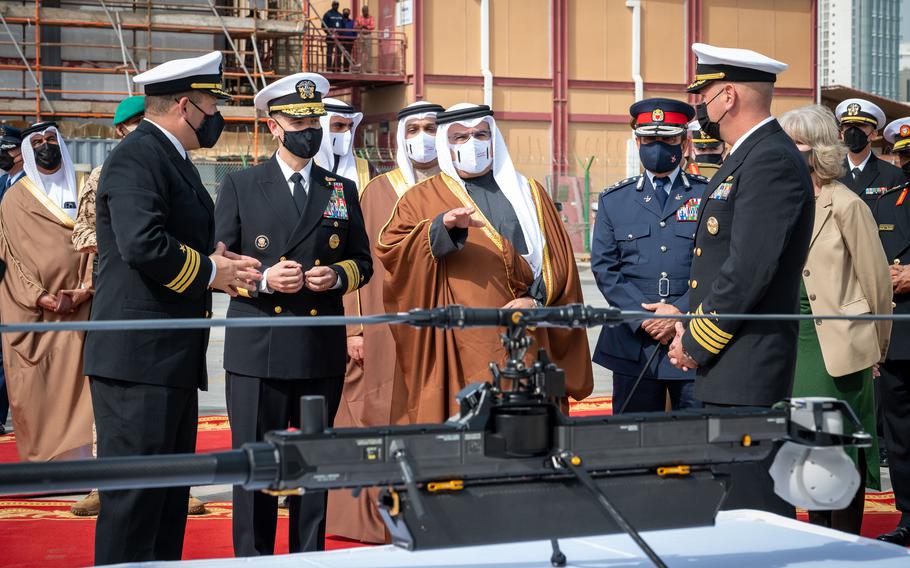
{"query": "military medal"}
(334, 241)
(713, 226)
(262, 242)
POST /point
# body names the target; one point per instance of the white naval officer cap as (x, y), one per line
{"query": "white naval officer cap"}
(201, 73)
(898, 134)
(860, 111)
(297, 95)
(732, 64)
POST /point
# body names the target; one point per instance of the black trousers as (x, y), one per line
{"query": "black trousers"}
(751, 485)
(651, 394)
(133, 419)
(894, 385)
(256, 406)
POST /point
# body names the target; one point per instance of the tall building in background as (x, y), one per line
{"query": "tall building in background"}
(859, 45)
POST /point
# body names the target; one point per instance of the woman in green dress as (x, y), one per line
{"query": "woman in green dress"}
(846, 273)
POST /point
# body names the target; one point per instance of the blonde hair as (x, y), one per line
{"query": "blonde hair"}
(816, 127)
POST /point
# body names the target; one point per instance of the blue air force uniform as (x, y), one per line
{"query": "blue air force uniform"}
(641, 253)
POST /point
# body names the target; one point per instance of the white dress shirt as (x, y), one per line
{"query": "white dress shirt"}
(182, 151)
(861, 165)
(749, 133)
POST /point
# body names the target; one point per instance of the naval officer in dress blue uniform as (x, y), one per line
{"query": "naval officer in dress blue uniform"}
(641, 254)
(304, 224)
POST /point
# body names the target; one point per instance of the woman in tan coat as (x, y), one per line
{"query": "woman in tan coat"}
(846, 273)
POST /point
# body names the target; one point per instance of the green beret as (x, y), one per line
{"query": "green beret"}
(128, 108)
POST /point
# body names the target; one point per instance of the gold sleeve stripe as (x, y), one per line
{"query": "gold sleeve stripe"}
(352, 273)
(703, 340)
(188, 273)
(713, 327)
(703, 333)
(710, 333)
(191, 275)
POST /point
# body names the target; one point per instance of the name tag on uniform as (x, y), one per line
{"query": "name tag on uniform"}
(723, 191)
(689, 210)
(885, 227)
(875, 190)
(337, 207)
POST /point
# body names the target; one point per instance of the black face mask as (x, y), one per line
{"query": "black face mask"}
(6, 161)
(711, 128)
(210, 130)
(303, 143)
(710, 159)
(660, 157)
(48, 156)
(856, 139)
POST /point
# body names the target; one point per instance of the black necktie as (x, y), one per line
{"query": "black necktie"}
(299, 192)
(856, 172)
(659, 190)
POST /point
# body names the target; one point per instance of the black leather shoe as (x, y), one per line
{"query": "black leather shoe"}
(900, 535)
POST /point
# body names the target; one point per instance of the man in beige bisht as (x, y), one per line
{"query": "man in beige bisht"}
(44, 282)
(479, 234)
(372, 366)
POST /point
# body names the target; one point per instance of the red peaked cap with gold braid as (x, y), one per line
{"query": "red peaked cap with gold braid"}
(660, 117)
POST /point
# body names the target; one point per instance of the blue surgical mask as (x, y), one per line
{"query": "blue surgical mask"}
(660, 157)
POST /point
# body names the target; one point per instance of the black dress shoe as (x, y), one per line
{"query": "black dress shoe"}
(900, 535)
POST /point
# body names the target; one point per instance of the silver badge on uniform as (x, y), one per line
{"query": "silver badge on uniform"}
(262, 242)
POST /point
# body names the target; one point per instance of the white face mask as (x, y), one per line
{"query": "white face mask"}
(473, 157)
(341, 142)
(421, 148)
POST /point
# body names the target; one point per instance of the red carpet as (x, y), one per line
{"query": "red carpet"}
(46, 534)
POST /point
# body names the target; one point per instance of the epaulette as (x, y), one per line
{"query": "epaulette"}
(696, 177)
(902, 189)
(622, 183)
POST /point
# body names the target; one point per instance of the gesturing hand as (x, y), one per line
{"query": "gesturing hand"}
(460, 218)
(233, 271)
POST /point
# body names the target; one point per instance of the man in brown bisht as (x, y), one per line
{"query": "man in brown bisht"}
(478, 234)
(372, 367)
(44, 282)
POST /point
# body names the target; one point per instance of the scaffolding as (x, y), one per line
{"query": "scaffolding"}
(66, 55)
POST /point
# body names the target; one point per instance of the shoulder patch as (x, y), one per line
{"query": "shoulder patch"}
(620, 184)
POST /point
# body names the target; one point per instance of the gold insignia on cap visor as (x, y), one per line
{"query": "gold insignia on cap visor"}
(657, 115)
(905, 130)
(853, 109)
(306, 89)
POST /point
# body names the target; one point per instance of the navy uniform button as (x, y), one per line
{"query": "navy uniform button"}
(663, 274)
(277, 309)
(663, 248)
(663, 224)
